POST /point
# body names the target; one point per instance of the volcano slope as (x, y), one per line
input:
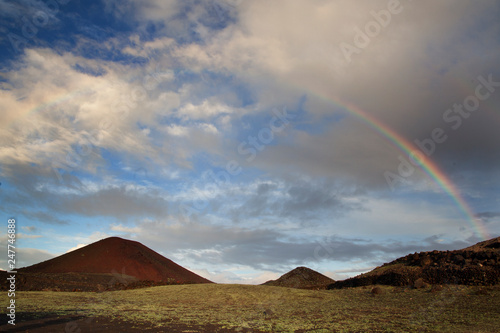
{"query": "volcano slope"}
(109, 264)
(302, 278)
(477, 265)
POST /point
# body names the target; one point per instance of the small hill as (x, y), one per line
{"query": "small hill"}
(475, 265)
(491, 244)
(110, 263)
(302, 278)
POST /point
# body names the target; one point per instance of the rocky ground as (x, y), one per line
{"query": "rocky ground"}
(478, 265)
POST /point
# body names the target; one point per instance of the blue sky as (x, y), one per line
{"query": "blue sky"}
(211, 131)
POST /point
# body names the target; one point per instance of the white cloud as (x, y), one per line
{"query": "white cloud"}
(205, 110)
(56, 106)
(231, 276)
(79, 246)
(27, 257)
(149, 48)
(177, 130)
(123, 229)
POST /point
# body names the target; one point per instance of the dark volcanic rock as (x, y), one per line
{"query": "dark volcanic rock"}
(420, 283)
(476, 265)
(436, 288)
(377, 291)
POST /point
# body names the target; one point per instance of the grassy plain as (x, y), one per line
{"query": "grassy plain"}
(244, 308)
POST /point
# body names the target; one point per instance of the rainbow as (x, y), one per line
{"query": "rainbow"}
(426, 164)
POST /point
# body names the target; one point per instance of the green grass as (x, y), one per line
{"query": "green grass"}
(242, 307)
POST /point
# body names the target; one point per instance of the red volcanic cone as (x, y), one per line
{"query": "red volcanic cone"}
(117, 255)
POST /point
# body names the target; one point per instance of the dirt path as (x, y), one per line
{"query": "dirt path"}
(81, 324)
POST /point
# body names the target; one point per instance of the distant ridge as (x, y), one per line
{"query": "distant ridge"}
(490, 244)
(108, 261)
(478, 264)
(302, 278)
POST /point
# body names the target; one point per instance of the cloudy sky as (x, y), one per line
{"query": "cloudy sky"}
(243, 138)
